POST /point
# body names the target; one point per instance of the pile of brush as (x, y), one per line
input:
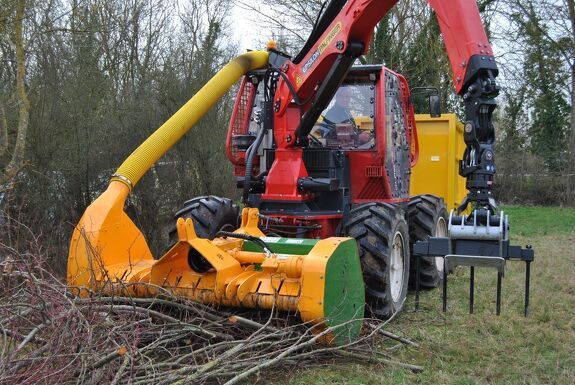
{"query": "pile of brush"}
(49, 336)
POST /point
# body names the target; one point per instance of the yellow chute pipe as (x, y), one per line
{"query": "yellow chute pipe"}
(140, 161)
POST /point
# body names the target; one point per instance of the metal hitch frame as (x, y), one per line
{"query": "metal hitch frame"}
(474, 242)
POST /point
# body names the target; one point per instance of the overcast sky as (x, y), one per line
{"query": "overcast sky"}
(248, 33)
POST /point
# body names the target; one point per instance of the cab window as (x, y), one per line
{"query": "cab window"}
(348, 121)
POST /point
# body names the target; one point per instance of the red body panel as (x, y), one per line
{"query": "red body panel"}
(463, 33)
(288, 166)
(368, 186)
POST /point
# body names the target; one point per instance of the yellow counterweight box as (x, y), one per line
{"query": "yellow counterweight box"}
(441, 148)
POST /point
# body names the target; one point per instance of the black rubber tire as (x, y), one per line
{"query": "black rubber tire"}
(374, 226)
(210, 215)
(424, 212)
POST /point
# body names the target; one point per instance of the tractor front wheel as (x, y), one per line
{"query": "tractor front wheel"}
(210, 214)
(382, 235)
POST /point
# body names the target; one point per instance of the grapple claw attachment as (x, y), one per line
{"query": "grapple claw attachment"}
(478, 240)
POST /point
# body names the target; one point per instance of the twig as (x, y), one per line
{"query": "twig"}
(120, 371)
(31, 335)
(413, 368)
(22, 337)
(235, 319)
(158, 315)
(285, 353)
(109, 357)
(395, 337)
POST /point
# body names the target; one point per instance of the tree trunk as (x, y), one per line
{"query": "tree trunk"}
(571, 167)
(17, 161)
(3, 131)
(571, 170)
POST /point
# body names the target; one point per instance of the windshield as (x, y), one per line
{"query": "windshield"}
(348, 120)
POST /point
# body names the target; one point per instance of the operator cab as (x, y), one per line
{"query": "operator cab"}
(348, 121)
(359, 150)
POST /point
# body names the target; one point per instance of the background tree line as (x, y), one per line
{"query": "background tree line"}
(83, 82)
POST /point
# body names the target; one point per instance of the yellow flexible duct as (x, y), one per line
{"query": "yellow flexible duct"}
(174, 128)
(105, 236)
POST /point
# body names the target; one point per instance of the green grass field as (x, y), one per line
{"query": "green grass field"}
(459, 348)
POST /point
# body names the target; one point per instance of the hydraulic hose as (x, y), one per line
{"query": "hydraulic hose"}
(251, 153)
(258, 241)
(140, 161)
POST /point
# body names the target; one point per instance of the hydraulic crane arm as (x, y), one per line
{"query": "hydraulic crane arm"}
(343, 33)
(474, 72)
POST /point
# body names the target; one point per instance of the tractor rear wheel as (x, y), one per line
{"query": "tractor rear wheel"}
(382, 235)
(427, 217)
(210, 214)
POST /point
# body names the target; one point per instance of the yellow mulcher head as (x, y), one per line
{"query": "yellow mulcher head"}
(319, 279)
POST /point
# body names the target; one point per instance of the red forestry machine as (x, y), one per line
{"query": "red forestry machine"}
(323, 153)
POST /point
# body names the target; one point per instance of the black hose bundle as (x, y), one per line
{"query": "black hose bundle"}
(250, 154)
(246, 237)
(270, 81)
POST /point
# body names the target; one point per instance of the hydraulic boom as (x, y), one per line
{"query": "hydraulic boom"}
(341, 35)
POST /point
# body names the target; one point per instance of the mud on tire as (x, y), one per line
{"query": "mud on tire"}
(427, 217)
(382, 236)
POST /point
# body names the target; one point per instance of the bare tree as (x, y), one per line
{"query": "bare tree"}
(551, 34)
(571, 61)
(289, 22)
(17, 161)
